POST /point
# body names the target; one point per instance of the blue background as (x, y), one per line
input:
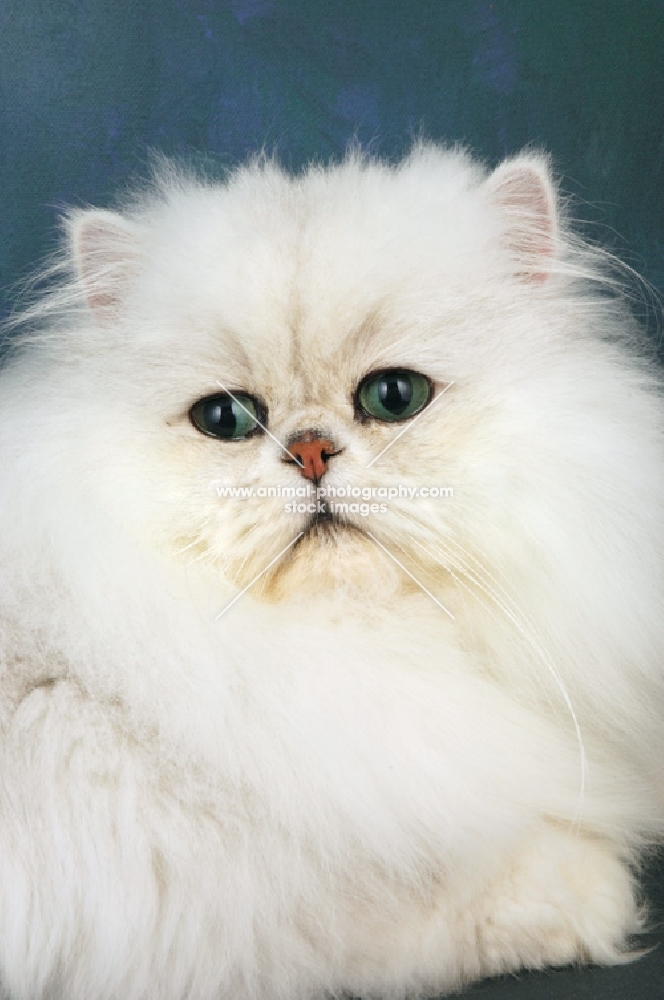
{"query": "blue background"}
(87, 87)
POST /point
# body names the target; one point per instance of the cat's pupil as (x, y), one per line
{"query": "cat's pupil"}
(395, 394)
(221, 416)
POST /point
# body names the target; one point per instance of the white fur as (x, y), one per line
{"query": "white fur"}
(334, 786)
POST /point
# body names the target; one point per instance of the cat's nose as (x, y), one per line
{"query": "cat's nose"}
(312, 452)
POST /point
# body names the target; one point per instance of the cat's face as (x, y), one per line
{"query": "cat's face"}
(373, 315)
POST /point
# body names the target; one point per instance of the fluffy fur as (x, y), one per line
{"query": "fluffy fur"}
(334, 787)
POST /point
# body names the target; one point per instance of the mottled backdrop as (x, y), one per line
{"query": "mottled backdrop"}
(87, 87)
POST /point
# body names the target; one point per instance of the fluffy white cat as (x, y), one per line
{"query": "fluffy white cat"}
(425, 744)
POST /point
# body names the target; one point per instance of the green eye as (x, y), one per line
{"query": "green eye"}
(223, 417)
(397, 394)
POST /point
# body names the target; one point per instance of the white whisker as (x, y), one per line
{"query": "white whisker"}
(510, 609)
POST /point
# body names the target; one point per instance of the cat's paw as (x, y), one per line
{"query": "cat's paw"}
(568, 898)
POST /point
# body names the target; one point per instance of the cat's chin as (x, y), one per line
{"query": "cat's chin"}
(332, 557)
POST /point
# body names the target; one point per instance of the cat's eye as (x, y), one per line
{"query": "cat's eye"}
(396, 394)
(225, 417)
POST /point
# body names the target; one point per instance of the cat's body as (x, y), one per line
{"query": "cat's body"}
(337, 783)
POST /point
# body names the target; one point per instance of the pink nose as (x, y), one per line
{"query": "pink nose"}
(312, 455)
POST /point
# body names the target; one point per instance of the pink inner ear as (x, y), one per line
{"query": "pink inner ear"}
(100, 300)
(92, 266)
(525, 193)
(104, 248)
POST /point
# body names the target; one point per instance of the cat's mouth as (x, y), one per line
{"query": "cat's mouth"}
(326, 524)
(331, 553)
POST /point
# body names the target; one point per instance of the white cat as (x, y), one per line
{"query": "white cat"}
(425, 744)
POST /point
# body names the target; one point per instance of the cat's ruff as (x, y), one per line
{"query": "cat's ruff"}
(334, 786)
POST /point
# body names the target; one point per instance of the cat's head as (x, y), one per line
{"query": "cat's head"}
(386, 327)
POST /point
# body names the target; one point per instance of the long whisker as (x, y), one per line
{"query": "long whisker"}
(243, 562)
(510, 609)
(481, 575)
(198, 539)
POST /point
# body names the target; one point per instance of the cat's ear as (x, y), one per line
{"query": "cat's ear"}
(525, 194)
(105, 247)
